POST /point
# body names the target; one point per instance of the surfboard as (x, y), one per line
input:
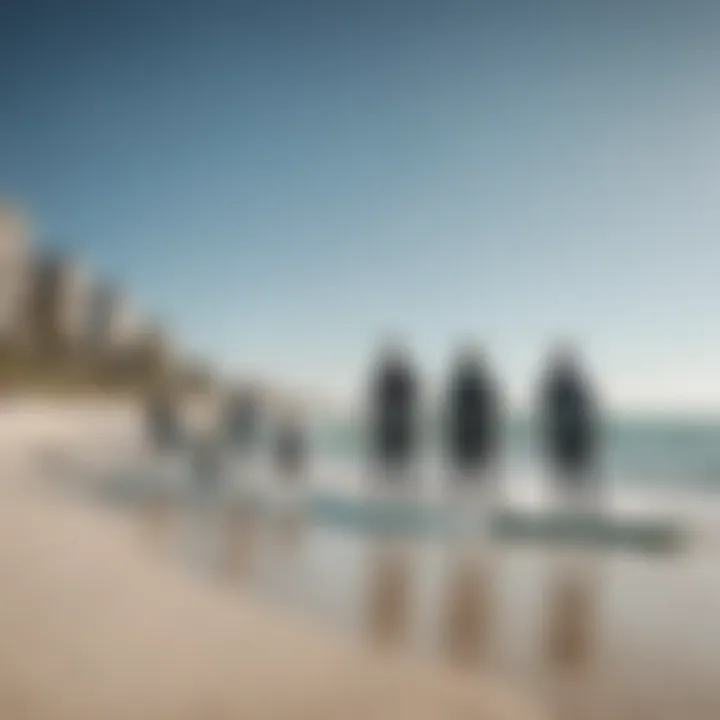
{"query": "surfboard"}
(549, 526)
(508, 525)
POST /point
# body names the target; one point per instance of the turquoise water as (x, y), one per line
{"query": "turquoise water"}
(658, 450)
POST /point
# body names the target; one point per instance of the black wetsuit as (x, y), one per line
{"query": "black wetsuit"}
(570, 426)
(394, 408)
(207, 466)
(241, 421)
(290, 450)
(472, 423)
(162, 423)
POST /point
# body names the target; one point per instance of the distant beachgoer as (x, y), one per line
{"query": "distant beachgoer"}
(569, 420)
(206, 463)
(241, 419)
(290, 448)
(393, 412)
(162, 421)
(472, 416)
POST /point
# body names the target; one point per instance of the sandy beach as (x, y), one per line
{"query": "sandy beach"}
(94, 625)
(104, 617)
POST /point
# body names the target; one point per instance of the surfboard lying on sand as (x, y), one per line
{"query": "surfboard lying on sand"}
(596, 529)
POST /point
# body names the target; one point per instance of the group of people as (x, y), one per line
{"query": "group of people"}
(473, 419)
(240, 428)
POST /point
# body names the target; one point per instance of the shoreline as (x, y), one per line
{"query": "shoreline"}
(72, 571)
(94, 626)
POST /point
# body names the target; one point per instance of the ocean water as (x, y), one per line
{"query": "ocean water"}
(675, 453)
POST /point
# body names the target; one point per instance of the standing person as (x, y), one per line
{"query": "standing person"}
(472, 422)
(162, 421)
(569, 423)
(394, 414)
(241, 419)
(207, 465)
(291, 455)
(291, 447)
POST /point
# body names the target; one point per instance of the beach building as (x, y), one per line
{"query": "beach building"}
(112, 323)
(59, 306)
(15, 274)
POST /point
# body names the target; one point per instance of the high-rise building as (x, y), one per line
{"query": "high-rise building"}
(144, 356)
(156, 345)
(59, 306)
(15, 272)
(112, 324)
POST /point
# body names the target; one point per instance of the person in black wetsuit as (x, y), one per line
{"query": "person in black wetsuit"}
(569, 423)
(393, 412)
(206, 464)
(472, 423)
(241, 419)
(290, 447)
(162, 422)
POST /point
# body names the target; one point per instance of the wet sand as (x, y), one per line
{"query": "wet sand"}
(612, 637)
(606, 637)
(93, 625)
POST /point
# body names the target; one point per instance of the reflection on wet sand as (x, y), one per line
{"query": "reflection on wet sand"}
(241, 538)
(390, 593)
(289, 531)
(568, 636)
(159, 523)
(571, 622)
(466, 619)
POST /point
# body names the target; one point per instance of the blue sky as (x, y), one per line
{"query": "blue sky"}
(282, 182)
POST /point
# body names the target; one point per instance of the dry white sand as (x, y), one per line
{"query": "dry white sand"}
(93, 626)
